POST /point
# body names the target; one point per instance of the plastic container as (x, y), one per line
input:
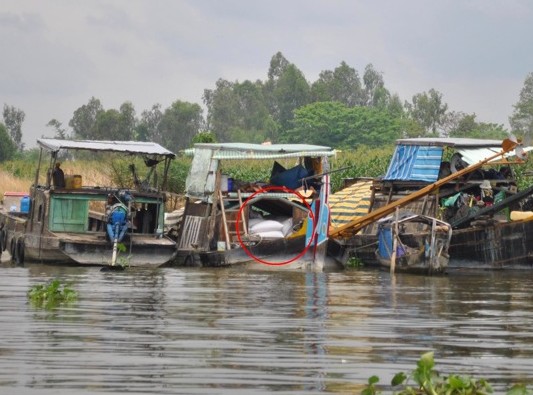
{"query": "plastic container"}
(224, 183)
(69, 181)
(25, 204)
(230, 184)
(76, 181)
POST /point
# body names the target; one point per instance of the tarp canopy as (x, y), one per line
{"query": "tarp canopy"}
(419, 159)
(415, 162)
(350, 203)
(130, 147)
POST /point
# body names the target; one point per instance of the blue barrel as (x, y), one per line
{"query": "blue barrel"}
(25, 204)
(385, 242)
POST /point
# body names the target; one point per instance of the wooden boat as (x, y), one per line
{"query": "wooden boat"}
(277, 223)
(70, 225)
(413, 243)
(424, 176)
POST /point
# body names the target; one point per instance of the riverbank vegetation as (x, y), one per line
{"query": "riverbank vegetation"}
(19, 174)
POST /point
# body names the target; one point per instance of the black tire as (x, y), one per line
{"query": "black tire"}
(20, 252)
(3, 236)
(13, 250)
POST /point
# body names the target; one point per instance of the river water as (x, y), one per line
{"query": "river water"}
(232, 331)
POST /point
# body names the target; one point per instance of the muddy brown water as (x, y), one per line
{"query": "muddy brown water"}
(231, 331)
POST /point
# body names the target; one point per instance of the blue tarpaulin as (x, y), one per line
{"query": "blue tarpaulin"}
(415, 163)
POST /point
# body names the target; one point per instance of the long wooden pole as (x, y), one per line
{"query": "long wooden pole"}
(357, 224)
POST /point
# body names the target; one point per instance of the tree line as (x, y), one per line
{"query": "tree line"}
(342, 109)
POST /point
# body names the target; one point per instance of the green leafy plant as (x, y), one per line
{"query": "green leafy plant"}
(122, 260)
(427, 380)
(354, 262)
(51, 294)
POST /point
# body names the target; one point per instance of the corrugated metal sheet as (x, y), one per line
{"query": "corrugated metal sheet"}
(133, 147)
(450, 142)
(415, 163)
(228, 151)
(350, 203)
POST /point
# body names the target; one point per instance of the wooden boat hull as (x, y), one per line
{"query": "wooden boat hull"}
(496, 245)
(269, 254)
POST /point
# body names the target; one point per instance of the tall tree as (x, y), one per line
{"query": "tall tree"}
(222, 105)
(522, 119)
(13, 119)
(429, 110)
(180, 123)
(342, 85)
(60, 131)
(148, 127)
(374, 86)
(8, 148)
(128, 121)
(291, 92)
(83, 122)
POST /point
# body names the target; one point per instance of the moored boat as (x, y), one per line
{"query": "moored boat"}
(468, 183)
(68, 222)
(279, 222)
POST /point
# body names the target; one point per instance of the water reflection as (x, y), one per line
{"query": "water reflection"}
(229, 331)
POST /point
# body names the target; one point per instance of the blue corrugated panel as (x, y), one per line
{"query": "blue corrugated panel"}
(415, 163)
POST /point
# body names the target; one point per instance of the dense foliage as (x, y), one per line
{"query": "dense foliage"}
(342, 109)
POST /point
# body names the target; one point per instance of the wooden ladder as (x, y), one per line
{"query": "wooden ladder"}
(230, 225)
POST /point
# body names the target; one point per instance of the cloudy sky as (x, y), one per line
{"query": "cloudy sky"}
(57, 54)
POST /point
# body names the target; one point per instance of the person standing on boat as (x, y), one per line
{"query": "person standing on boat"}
(58, 177)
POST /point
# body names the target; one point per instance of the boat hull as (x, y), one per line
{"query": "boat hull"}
(493, 245)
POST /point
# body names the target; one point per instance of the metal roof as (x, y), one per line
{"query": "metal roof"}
(451, 142)
(130, 147)
(260, 151)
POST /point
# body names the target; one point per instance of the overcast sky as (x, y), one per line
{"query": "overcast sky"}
(57, 54)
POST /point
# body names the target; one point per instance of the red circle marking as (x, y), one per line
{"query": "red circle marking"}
(265, 190)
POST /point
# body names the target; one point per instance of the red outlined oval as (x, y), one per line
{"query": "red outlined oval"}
(266, 190)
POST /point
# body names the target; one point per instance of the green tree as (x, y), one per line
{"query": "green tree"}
(429, 110)
(83, 122)
(13, 119)
(222, 105)
(522, 119)
(60, 131)
(467, 126)
(8, 148)
(204, 137)
(341, 85)
(107, 126)
(238, 111)
(374, 87)
(127, 122)
(334, 124)
(148, 127)
(291, 92)
(180, 123)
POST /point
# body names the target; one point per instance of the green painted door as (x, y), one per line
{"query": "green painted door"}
(69, 215)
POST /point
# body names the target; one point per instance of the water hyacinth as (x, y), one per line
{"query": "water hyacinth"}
(51, 294)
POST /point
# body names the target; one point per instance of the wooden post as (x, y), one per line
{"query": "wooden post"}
(395, 236)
